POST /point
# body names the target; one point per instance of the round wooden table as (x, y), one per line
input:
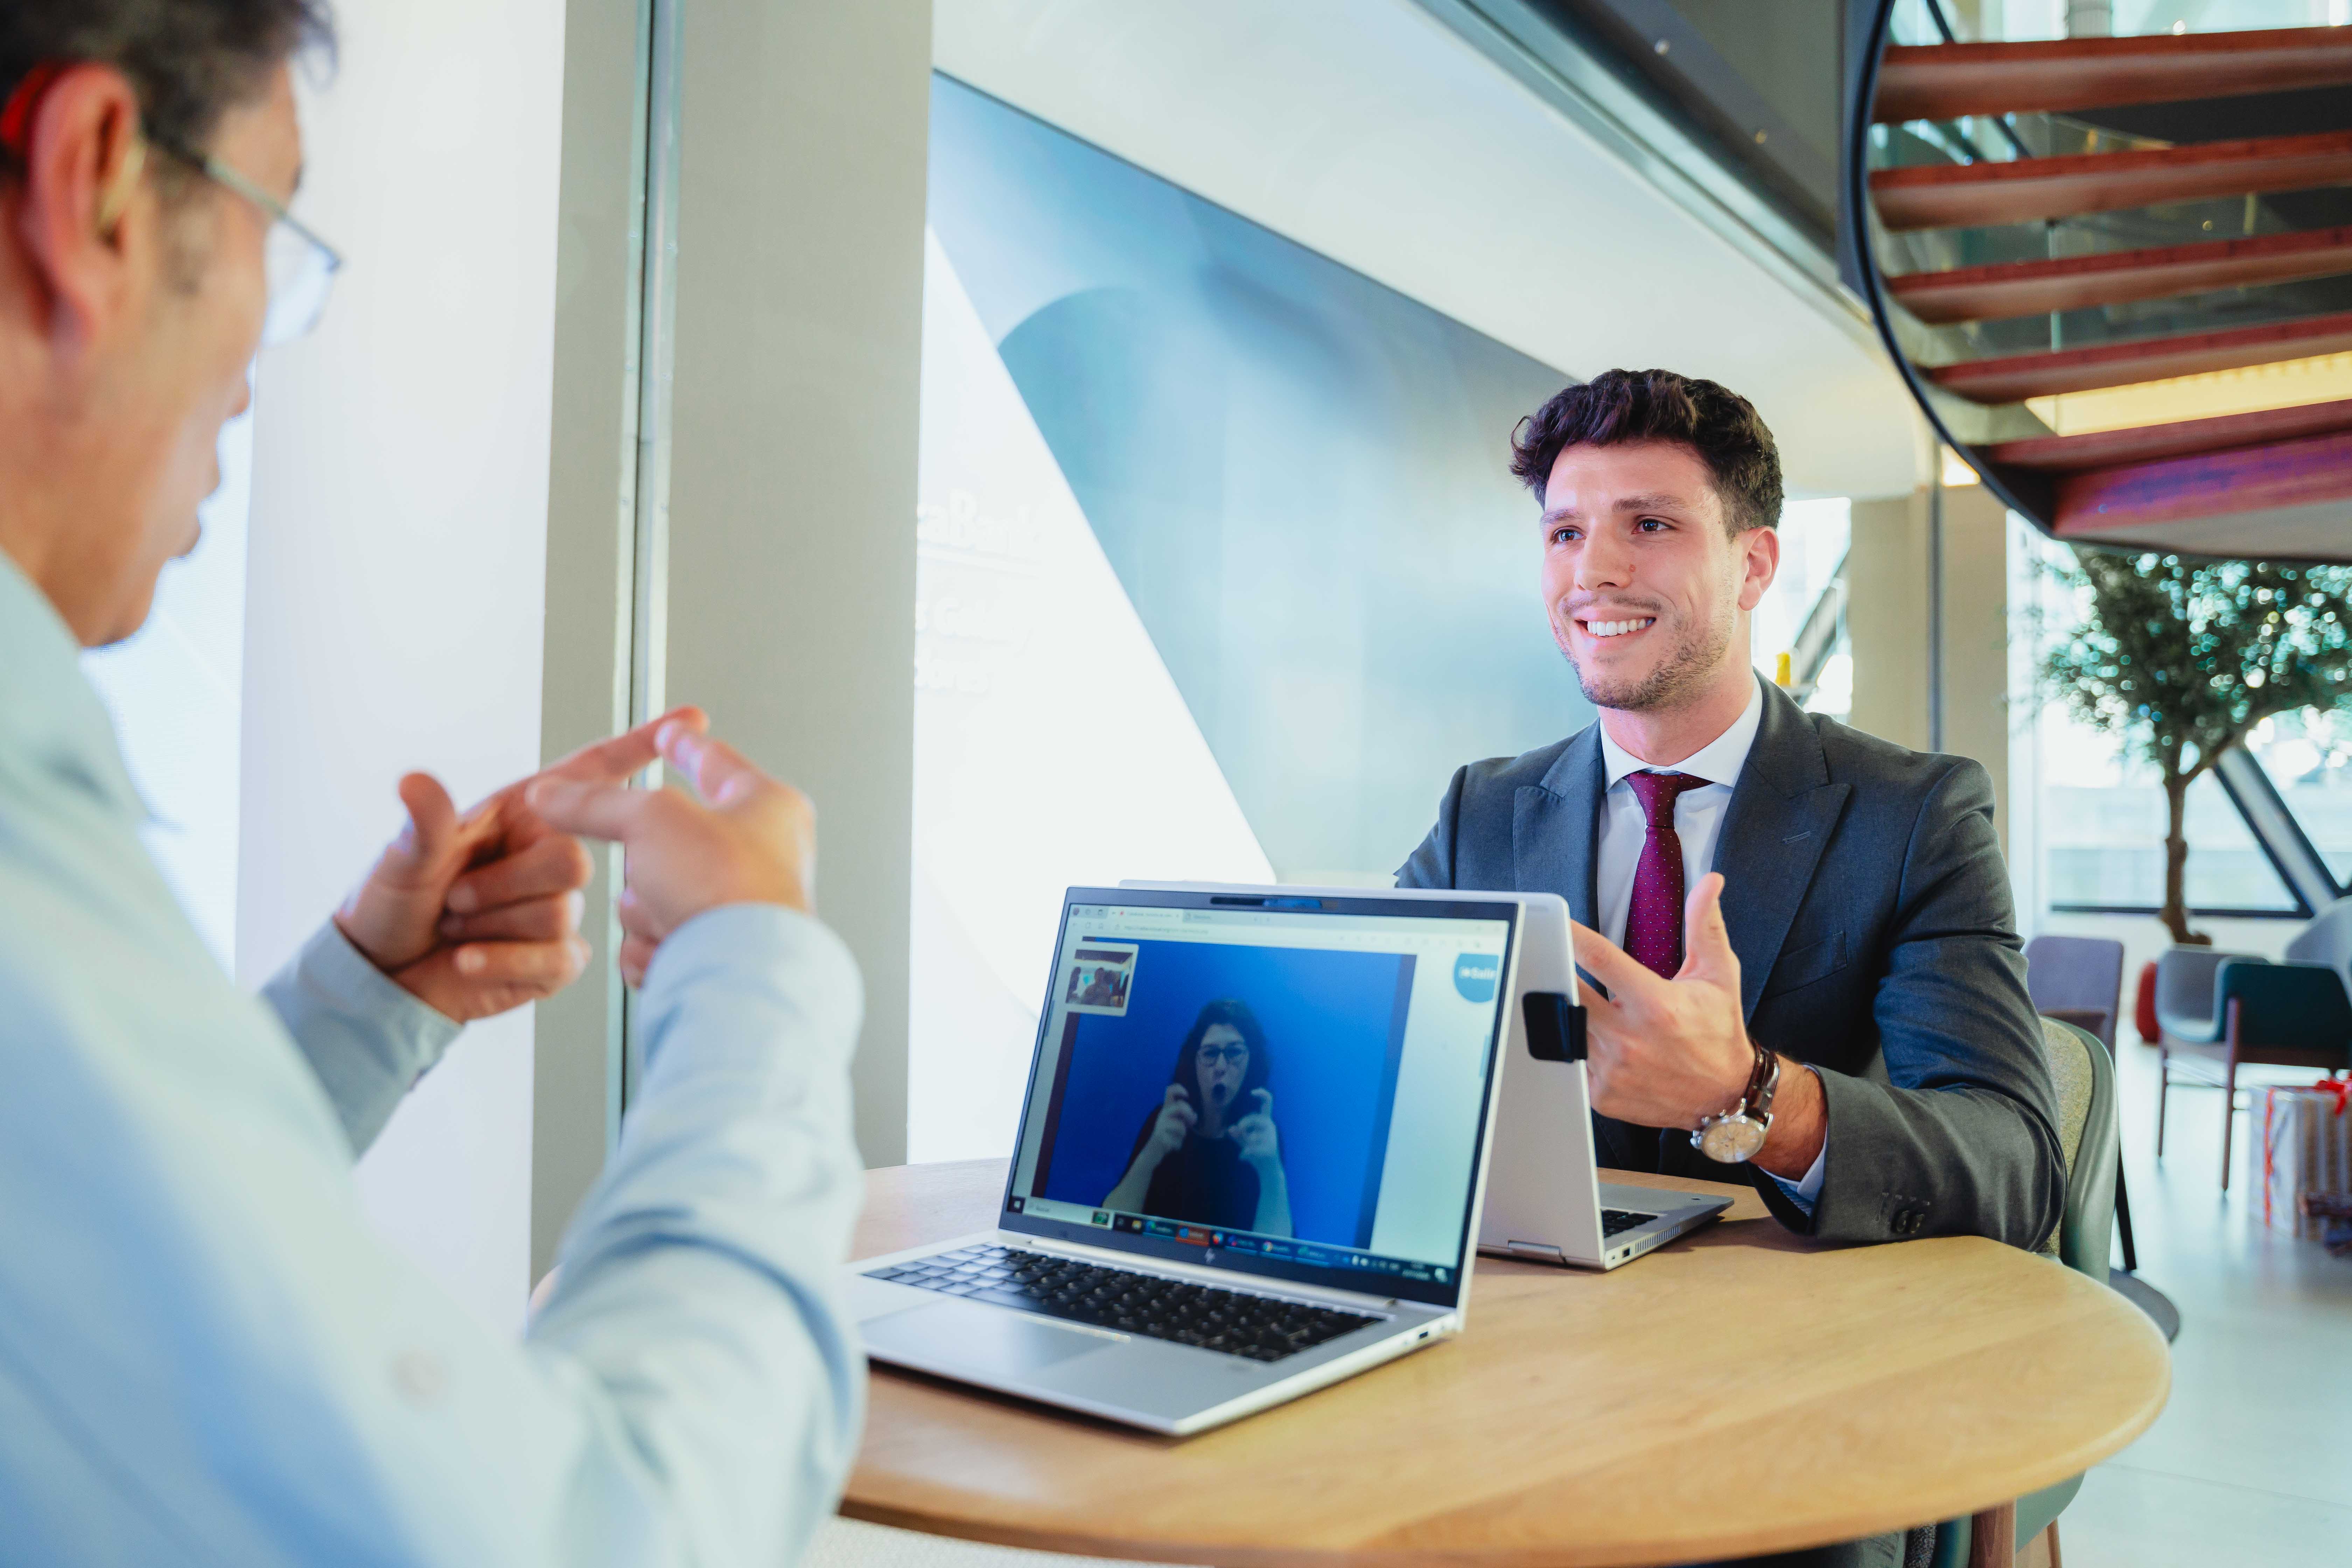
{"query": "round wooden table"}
(1742, 1391)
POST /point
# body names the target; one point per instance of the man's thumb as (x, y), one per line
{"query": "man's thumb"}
(1707, 943)
(432, 819)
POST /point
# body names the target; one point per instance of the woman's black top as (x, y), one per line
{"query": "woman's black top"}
(1203, 1181)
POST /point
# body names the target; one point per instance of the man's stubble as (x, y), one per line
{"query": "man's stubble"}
(1672, 681)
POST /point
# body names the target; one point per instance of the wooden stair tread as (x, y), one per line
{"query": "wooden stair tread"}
(2012, 378)
(2077, 282)
(2027, 189)
(1943, 81)
(2182, 438)
(2298, 492)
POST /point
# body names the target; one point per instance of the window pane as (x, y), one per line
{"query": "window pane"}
(2102, 833)
(1221, 573)
(2309, 757)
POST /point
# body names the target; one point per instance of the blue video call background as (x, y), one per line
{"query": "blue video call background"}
(1331, 1021)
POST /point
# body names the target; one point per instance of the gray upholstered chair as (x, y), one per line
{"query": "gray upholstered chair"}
(2327, 939)
(2191, 1050)
(2072, 974)
(2085, 1076)
(2080, 980)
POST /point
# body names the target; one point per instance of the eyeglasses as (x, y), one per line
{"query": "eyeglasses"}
(1234, 1053)
(300, 266)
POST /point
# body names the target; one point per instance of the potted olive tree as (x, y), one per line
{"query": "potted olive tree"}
(2183, 656)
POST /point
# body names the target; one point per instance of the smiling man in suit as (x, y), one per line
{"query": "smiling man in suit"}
(1812, 967)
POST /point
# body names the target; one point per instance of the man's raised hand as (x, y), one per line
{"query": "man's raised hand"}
(1664, 1053)
(749, 840)
(475, 914)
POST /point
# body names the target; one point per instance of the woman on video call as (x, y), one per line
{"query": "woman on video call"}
(1195, 1159)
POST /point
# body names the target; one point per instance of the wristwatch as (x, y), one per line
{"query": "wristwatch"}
(1733, 1135)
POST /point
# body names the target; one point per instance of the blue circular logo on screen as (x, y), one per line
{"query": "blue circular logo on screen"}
(1476, 976)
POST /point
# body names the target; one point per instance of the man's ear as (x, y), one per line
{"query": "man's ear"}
(1759, 563)
(84, 215)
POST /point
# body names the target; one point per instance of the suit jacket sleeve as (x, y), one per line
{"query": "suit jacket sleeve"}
(1432, 865)
(1959, 1137)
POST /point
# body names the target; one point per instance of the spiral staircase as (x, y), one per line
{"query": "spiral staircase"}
(2117, 271)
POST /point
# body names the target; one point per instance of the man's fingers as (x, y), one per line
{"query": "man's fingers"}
(636, 919)
(552, 866)
(597, 810)
(628, 754)
(554, 964)
(721, 774)
(1609, 963)
(534, 920)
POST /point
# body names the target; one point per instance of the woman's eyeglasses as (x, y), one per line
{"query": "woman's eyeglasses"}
(1235, 1053)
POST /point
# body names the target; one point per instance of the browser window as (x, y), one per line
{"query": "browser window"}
(1298, 1093)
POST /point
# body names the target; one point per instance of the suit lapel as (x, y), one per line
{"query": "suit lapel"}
(1556, 825)
(1782, 811)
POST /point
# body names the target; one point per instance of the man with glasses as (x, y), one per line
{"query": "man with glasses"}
(204, 1355)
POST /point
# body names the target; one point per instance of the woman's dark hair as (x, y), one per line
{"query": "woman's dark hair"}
(190, 61)
(1235, 1015)
(1616, 405)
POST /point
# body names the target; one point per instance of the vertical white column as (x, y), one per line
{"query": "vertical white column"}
(398, 547)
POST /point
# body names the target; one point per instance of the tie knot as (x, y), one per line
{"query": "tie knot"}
(1657, 793)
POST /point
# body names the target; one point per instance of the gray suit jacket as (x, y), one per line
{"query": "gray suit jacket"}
(1865, 896)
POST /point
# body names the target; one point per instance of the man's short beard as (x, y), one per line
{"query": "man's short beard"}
(1673, 681)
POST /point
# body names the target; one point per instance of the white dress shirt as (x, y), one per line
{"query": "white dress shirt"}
(1698, 820)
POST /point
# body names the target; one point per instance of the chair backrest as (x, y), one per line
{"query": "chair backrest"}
(2085, 973)
(2184, 989)
(2085, 1079)
(2327, 939)
(2293, 1006)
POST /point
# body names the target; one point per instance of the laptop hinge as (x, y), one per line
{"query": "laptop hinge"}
(1536, 1251)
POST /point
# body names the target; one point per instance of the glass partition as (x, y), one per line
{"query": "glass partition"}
(1221, 573)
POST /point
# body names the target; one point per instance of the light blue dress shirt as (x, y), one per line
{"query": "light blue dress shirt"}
(205, 1356)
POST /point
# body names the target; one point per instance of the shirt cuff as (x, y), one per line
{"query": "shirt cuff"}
(1806, 1190)
(366, 1038)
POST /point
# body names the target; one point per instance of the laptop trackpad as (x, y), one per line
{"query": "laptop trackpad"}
(984, 1339)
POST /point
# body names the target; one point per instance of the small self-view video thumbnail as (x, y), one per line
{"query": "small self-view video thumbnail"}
(1100, 975)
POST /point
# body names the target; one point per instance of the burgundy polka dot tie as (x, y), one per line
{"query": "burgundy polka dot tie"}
(1654, 920)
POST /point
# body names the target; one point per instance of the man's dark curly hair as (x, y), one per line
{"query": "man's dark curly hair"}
(189, 61)
(1616, 405)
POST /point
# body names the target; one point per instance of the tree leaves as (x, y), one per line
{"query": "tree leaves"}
(2182, 656)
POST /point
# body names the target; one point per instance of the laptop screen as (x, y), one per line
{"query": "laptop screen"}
(1294, 1087)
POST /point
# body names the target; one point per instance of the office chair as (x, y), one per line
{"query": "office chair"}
(2087, 1134)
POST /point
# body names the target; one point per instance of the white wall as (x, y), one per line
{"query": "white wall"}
(399, 512)
(176, 693)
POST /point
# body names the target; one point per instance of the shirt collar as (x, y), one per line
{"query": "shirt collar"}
(51, 721)
(1718, 762)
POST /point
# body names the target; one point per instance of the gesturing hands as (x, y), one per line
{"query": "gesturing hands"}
(1664, 1053)
(475, 914)
(1260, 1144)
(1173, 1125)
(749, 840)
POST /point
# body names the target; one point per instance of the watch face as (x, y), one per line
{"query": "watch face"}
(1732, 1140)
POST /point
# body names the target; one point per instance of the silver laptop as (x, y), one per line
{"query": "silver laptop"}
(1545, 1199)
(1249, 1164)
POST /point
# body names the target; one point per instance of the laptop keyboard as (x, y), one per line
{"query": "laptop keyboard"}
(1614, 1221)
(1262, 1328)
